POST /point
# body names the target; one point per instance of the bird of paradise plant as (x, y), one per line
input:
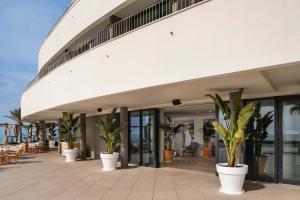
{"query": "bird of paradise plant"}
(236, 119)
(68, 128)
(110, 131)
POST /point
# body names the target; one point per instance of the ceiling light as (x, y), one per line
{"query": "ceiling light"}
(176, 102)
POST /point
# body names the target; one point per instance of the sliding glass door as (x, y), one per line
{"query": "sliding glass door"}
(289, 167)
(279, 158)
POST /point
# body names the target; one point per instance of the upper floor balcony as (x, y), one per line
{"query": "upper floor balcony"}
(172, 50)
(117, 28)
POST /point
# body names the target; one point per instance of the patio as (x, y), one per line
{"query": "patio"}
(46, 176)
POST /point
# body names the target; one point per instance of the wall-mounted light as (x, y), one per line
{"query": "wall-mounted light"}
(107, 56)
(171, 33)
(99, 109)
(176, 102)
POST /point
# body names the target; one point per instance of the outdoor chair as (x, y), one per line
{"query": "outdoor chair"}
(2, 157)
(191, 149)
(11, 156)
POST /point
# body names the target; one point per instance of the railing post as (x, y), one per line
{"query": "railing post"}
(111, 32)
(174, 5)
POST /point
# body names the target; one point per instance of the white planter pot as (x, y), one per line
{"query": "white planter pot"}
(232, 178)
(70, 155)
(109, 161)
(51, 144)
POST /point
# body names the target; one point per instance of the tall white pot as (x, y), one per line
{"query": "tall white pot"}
(51, 144)
(70, 154)
(232, 178)
(109, 161)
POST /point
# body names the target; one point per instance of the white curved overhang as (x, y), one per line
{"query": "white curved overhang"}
(218, 51)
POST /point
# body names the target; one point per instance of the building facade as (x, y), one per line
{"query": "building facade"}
(140, 55)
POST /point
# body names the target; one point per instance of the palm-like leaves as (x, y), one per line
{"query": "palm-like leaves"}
(68, 128)
(29, 128)
(236, 120)
(110, 131)
(15, 115)
(295, 109)
(51, 127)
(208, 131)
(170, 129)
(260, 132)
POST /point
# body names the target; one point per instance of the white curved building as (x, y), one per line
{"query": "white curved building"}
(142, 54)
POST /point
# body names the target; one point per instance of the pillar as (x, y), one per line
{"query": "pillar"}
(124, 136)
(42, 134)
(59, 135)
(82, 136)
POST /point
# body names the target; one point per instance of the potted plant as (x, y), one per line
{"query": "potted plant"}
(208, 131)
(260, 133)
(68, 130)
(232, 174)
(110, 133)
(51, 128)
(169, 129)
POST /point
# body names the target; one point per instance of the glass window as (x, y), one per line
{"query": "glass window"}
(291, 140)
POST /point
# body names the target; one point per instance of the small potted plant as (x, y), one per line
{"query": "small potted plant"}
(170, 130)
(110, 132)
(51, 128)
(260, 134)
(208, 131)
(232, 174)
(68, 130)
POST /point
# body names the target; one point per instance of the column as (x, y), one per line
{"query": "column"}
(42, 134)
(82, 136)
(124, 136)
(59, 135)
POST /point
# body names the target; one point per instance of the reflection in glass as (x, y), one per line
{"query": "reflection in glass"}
(142, 138)
(291, 140)
(148, 137)
(261, 166)
(134, 136)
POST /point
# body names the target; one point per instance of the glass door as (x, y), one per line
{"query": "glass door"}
(134, 138)
(289, 168)
(143, 138)
(148, 137)
(260, 146)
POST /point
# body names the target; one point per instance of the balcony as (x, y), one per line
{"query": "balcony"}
(144, 17)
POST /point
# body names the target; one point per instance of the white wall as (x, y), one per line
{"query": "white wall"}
(80, 16)
(211, 39)
(198, 131)
(94, 143)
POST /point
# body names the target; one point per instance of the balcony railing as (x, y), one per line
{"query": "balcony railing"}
(150, 14)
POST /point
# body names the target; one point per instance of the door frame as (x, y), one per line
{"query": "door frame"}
(156, 138)
(278, 134)
(280, 101)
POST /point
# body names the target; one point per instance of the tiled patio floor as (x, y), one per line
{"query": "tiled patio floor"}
(46, 176)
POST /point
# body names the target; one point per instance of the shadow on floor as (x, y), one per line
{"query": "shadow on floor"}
(253, 186)
(28, 157)
(28, 162)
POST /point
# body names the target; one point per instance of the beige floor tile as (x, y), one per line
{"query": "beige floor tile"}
(47, 177)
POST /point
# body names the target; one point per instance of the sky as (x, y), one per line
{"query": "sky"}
(24, 25)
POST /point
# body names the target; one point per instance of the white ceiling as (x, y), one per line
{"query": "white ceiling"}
(266, 82)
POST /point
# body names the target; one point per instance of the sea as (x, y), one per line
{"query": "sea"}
(1, 135)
